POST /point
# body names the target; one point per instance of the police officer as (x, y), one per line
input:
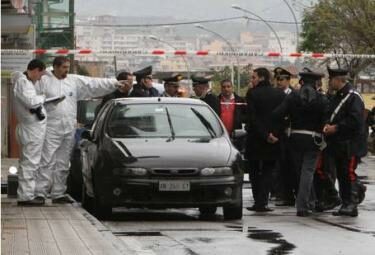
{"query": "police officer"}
(171, 85)
(285, 179)
(144, 87)
(201, 89)
(121, 92)
(307, 109)
(263, 149)
(344, 131)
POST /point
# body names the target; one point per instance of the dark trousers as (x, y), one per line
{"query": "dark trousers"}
(345, 169)
(261, 180)
(286, 181)
(325, 177)
(304, 157)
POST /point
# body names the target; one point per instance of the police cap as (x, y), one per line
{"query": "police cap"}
(200, 80)
(143, 73)
(174, 79)
(281, 72)
(308, 74)
(336, 72)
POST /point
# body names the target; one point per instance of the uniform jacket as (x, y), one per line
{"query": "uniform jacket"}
(261, 101)
(350, 122)
(141, 91)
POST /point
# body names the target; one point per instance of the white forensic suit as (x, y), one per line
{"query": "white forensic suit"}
(30, 133)
(61, 125)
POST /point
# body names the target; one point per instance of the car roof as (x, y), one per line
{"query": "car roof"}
(161, 100)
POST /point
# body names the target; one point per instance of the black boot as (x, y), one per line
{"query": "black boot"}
(347, 210)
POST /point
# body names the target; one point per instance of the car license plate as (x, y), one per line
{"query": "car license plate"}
(174, 186)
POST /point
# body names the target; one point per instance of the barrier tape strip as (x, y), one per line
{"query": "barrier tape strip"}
(161, 52)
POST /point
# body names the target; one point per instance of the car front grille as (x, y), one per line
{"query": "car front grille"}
(174, 171)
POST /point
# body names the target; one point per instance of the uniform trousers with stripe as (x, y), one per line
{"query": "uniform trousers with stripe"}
(346, 164)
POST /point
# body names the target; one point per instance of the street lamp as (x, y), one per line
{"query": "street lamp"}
(237, 7)
(231, 48)
(153, 37)
(296, 23)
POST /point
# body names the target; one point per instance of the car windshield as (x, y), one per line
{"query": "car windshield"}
(163, 120)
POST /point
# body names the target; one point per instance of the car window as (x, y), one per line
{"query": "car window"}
(163, 120)
(99, 120)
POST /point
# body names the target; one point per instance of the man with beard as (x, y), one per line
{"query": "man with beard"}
(61, 123)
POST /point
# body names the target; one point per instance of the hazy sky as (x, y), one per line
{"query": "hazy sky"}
(189, 9)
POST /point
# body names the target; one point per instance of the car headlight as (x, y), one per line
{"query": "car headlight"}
(216, 171)
(135, 171)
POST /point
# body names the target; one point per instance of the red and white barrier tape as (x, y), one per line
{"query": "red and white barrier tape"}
(161, 52)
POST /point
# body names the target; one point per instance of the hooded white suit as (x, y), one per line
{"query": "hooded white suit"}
(30, 133)
(61, 124)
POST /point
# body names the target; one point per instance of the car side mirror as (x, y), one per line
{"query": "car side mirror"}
(86, 134)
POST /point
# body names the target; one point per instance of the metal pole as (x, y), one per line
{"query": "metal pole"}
(295, 21)
(182, 56)
(231, 48)
(264, 21)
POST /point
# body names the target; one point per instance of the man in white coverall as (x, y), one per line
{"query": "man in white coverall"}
(30, 130)
(61, 123)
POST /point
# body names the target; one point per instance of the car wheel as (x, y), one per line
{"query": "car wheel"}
(74, 188)
(87, 201)
(207, 210)
(102, 212)
(234, 212)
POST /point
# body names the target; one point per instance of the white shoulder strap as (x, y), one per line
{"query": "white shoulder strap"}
(340, 105)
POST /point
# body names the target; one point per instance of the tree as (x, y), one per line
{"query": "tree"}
(342, 27)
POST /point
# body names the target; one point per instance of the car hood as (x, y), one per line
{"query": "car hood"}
(192, 153)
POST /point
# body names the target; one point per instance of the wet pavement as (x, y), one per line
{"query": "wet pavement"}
(177, 232)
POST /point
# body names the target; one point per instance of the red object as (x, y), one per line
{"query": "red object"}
(202, 52)
(158, 52)
(39, 51)
(227, 114)
(351, 168)
(62, 51)
(274, 54)
(180, 52)
(85, 51)
(317, 55)
(295, 54)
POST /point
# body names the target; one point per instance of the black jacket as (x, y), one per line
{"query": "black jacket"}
(350, 122)
(212, 101)
(239, 111)
(261, 101)
(141, 91)
(113, 95)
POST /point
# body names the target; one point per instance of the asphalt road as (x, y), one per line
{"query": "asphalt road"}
(278, 232)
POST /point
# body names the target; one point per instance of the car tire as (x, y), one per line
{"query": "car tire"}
(207, 210)
(234, 212)
(102, 212)
(87, 201)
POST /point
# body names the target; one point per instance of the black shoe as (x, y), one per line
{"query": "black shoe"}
(251, 208)
(347, 210)
(38, 201)
(303, 213)
(263, 209)
(63, 200)
(285, 203)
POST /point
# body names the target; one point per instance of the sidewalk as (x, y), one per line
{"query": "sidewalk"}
(54, 229)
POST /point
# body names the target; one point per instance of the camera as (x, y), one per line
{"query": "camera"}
(38, 112)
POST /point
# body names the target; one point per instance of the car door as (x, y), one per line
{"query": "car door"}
(89, 150)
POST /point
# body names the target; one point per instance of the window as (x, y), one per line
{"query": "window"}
(163, 120)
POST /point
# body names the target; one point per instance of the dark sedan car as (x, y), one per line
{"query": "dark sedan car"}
(160, 153)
